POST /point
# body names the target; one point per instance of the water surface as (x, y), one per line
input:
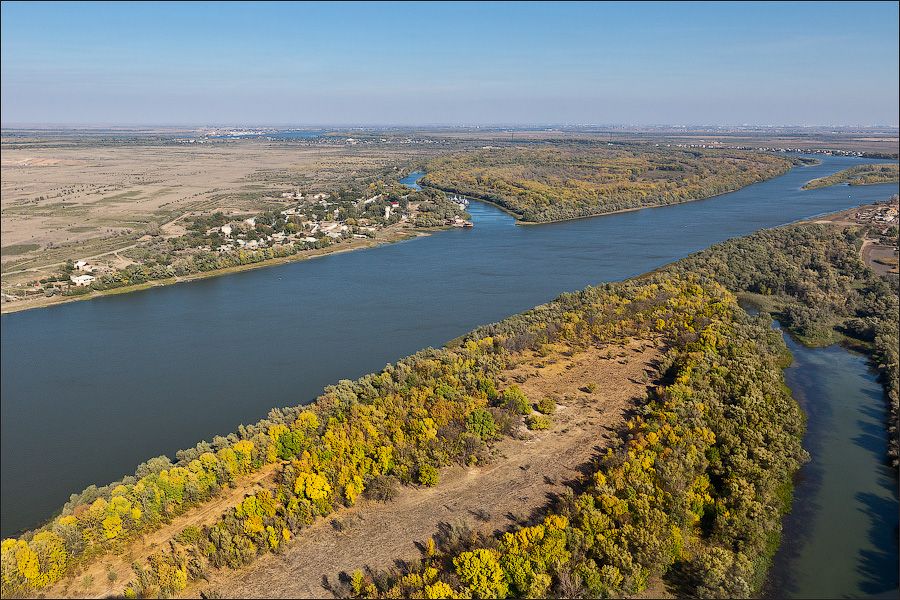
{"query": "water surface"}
(840, 540)
(90, 389)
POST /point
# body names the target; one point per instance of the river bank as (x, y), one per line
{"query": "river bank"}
(388, 237)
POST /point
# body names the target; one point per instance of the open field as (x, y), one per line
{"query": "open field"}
(63, 202)
(69, 199)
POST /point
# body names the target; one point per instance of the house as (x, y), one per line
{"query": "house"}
(82, 280)
(79, 264)
(251, 221)
(226, 230)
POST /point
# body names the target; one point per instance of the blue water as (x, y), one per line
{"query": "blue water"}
(412, 180)
(90, 389)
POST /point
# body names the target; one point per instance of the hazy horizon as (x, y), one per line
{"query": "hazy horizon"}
(451, 65)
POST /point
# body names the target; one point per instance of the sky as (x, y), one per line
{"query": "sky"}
(303, 64)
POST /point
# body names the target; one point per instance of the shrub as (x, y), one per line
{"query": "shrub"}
(538, 422)
(428, 475)
(546, 406)
(481, 423)
(515, 400)
(382, 488)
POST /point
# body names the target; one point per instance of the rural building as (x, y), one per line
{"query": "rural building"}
(81, 280)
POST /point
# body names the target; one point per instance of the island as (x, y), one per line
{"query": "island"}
(543, 183)
(859, 175)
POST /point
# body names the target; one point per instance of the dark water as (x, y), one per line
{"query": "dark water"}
(840, 540)
(91, 389)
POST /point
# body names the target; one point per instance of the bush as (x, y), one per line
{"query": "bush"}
(515, 400)
(538, 422)
(546, 406)
(428, 475)
(481, 423)
(382, 488)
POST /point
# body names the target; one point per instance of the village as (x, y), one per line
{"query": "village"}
(311, 221)
(880, 245)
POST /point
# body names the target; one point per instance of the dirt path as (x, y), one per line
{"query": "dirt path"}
(522, 479)
(872, 252)
(94, 581)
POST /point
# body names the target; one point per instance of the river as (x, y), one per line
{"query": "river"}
(90, 389)
(840, 539)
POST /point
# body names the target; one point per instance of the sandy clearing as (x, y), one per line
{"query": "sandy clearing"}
(523, 478)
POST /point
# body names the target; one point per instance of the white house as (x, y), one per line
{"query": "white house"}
(226, 230)
(81, 280)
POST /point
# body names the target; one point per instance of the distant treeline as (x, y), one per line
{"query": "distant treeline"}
(859, 175)
(569, 181)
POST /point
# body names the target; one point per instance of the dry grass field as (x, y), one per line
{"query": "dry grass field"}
(70, 201)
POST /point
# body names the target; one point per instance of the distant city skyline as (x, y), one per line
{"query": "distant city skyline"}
(450, 64)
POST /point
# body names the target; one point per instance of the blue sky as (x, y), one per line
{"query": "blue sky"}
(307, 64)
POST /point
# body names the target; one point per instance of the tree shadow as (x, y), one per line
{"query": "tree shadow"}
(877, 566)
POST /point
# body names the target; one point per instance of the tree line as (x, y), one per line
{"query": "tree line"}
(859, 175)
(548, 183)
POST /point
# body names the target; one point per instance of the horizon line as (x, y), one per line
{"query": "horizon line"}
(363, 125)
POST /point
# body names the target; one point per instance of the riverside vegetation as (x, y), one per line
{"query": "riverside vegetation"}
(693, 490)
(539, 183)
(701, 513)
(859, 175)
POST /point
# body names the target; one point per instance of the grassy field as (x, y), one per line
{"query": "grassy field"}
(80, 197)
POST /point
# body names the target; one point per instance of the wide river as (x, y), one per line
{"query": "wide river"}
(90, 389)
